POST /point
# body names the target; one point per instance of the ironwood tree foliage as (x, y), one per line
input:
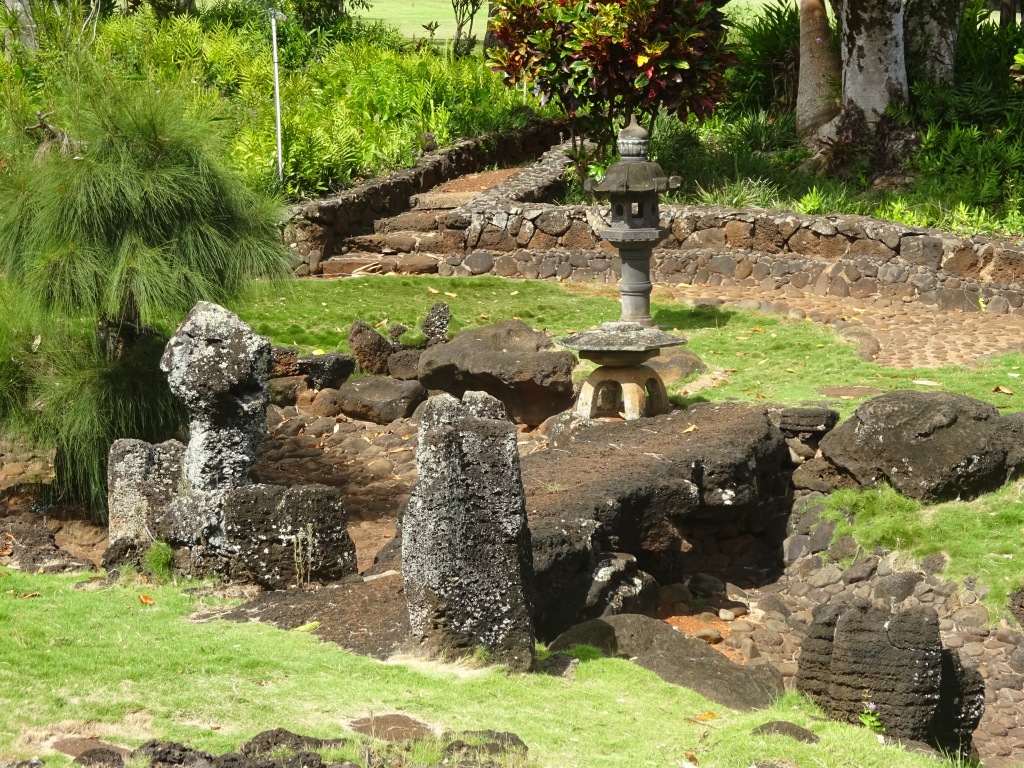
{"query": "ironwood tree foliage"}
(117, 207)
(605, 61)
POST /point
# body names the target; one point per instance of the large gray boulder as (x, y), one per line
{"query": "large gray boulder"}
(217, 366)
(700, 490)
(678, 659)
(933, 446)
(510, 361)
(856, 654)
(380, 399)
(466, 556)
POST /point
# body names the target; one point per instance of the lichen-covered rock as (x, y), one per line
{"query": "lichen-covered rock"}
(857, 655)
(142, 481)
(289, 536)
(466, 556)
(370, 348)
(217, 366)
(510, 361)
(435, 324)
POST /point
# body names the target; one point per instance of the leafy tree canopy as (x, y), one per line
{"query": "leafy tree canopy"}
(604, 61)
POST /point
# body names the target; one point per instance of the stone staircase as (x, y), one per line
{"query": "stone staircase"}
(410, 243)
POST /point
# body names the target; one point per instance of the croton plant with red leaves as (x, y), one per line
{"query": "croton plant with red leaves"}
(603, 61)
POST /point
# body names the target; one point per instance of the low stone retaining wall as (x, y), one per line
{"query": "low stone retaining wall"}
(826, 255)
(315, 226)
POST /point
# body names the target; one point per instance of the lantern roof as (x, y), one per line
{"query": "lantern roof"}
(634, 172)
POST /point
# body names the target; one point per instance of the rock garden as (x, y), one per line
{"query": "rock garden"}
(431, 436)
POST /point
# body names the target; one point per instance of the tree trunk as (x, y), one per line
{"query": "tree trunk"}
(874, 65)
(820, 69)
(26, 25)
(1007, 12)
(930, 31)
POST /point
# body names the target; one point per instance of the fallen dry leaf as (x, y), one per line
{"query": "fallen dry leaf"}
(27, 595)
(691, 428)
(514, 293)
(382, 323)
(1003, 390)
(452, 294)
(757, 330)
(485, 317)
(705, 716)
(432, 290)
(146, 600)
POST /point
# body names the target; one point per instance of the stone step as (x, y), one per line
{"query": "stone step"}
(390, 243)
(411, 221)
(441, 201)
(356, 263)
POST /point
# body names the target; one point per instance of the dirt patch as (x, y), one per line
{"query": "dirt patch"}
(850, 393)
(365, 617)
(67, 735)
(691, 624)
(478, 182)
(392, 728)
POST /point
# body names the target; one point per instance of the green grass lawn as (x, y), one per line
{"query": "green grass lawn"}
(102, 656)
(766, 358)
(410, 15)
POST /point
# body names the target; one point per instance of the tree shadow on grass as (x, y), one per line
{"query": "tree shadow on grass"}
(686, 318)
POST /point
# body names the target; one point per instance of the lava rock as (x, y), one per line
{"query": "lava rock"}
(371, 350)
(466, 556)
(289, 535)
(510, 361)
(677, 659)
(380, 399)
(933, 446)
(329, 370)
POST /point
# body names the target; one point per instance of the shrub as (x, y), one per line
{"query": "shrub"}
(116, 216)
(767, 46)
(605, 61)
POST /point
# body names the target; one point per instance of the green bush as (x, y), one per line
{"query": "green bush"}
(116, 216)
(602, 62)
(767, 46)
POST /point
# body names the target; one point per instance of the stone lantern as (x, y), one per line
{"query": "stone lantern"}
(632, 185)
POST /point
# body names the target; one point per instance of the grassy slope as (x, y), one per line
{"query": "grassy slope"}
(100, 655)
(410, 15)
(769, 359)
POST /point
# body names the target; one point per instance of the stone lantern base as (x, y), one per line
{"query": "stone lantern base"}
(643, 391)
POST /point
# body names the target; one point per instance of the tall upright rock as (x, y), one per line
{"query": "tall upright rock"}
(217, 366)
(466, 554)
(199, 498)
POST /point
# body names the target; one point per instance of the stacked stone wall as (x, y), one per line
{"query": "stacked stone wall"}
(315, 227)
(833, 255)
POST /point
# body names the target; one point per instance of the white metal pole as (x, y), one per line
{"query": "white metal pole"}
(277, 96)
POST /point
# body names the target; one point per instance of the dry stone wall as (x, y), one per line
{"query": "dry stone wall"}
(316, 226)
(833, 255)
